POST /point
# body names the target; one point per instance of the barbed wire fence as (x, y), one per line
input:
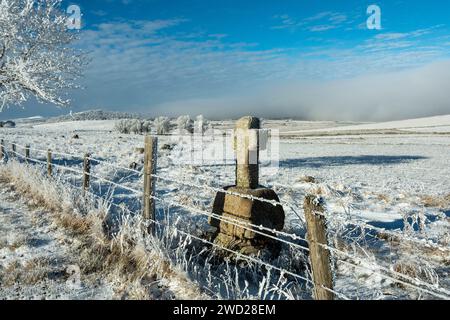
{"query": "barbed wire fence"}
(291, 240)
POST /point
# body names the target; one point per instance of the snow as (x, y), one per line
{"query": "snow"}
(397, 166)
(89, 125)
(23, 241)
(439, 123)
(37, 61)
(380, 179)
(92, 115)
(29, 119)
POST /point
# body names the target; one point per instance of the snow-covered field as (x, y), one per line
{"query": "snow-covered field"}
(431, 124)
(397, 181)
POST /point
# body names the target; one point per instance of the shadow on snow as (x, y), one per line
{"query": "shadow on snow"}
(319, 162)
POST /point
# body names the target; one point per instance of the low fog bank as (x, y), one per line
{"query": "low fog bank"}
(408, 94)
(415, 93)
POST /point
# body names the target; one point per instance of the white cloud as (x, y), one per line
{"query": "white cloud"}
(287, 22)
(320, 22)
(138, 66)
(390, 36)
(413, 34)
(408, 94)
(338, 18)
(320, 16)
(321, 28)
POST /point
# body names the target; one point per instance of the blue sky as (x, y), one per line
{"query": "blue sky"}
(308, 59)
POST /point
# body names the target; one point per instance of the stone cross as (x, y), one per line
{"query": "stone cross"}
(247, 152)
(244, 202)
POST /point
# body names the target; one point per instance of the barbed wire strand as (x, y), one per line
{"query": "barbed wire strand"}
(238, 254)
(209, 214)
(444, 297)
(418, 282)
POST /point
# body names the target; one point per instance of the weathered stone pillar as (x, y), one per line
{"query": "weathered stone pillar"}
(247, 152)
(245, 209)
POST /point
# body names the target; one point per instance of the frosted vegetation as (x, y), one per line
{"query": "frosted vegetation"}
(162, 125)
(135, 126)
(388, 207)
(386, 192)
(93, 115)
(185, 124)
(36, 56)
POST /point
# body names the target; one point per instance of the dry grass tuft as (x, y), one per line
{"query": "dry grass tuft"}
(383, 197)
(76, 225)
(442, 202)
(36, 270)
(407, 269)
(30, 273)
(10, 274)
(307, 179)
(129, 261)
(416, 271)
(13, 242)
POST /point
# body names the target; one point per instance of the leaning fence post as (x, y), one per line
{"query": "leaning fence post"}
(49, 162)
(27, 153)
(86, 171)
(2, 149)
(319, 256)
(13, 147)
(150, 164)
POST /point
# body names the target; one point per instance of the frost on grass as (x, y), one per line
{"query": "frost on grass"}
(361, 192)
(129, 262)
(167, 265)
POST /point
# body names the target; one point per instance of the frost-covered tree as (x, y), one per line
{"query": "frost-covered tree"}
(122, 126)
(162, 125)
(184, 123)
(201, 124)
(136, 126)
(147, 126)
(37, 57)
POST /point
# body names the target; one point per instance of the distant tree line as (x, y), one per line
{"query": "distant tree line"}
(163, 125)
(93, 115)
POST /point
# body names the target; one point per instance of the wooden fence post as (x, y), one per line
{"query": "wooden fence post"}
(13, 147)
(319, 256)
(49, 162)
(27, 153)
(150, 164)
(86, 171)
(2, 149)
